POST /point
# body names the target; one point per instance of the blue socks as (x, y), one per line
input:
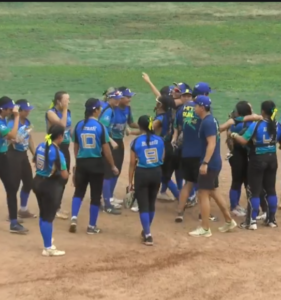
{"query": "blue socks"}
(272, 204)
(23, 199)
(255, 201)
(174, 189)
(94, 212)
(145, 222)
(234, 196)
(151, 216)
(113, 182)
(13, 222)
(46, 229)
(76, 204)
(178, 179)
(163, 188)
(106, 192)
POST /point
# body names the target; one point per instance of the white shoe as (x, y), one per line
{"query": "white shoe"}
(135, 208)
(228, 226)
(116, 205)
(201, 232)
(116, 201)
(262, 217)
(61, 215)
(164, 196)
(52, 252)
(53, 247)
(238, 213)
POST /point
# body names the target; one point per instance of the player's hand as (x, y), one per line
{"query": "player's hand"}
(203, 169)
(115, 170)
(114, 144)
(64, 104)
(145, 77)
(16, 110)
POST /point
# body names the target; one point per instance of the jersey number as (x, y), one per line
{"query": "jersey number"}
(151, 155)
(88, 140)
(40, 162)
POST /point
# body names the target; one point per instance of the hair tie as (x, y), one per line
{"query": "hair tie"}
(150, 124)
(48, 139)
(274, 112)
(52, 104)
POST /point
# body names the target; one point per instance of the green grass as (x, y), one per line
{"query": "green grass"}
(86, 47)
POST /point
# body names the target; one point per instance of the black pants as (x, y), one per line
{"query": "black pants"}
(89, 171)
(239, 168)
(147, 183)
(169, 163)
(64, 148)
(48, 192)
(6, 178)
(19, 162)
(118, 157)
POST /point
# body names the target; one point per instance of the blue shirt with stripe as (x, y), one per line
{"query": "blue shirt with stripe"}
(22, 140)
(149, 156)
(52, 167)
(166, 125)
(90, 137)
(4, 130)
(122, 117)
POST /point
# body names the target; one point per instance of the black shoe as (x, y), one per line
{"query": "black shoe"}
(246, 225)
(148, 240)
(93, 230)
(112, 210)
(18, 228)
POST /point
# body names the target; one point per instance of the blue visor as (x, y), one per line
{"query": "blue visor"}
(115, 95)
(128, 93)
(8, 105)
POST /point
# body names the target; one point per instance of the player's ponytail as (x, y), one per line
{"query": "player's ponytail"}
(146, 124)
(269, 111)
(91, 106)
(53, 133)
(106, 92)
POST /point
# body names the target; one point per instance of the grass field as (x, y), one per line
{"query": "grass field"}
(85, 47)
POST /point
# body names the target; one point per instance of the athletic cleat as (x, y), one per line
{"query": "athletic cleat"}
(191, 202)
(117, 206)
(251, 226)
(73, 225)
(18, 228)
(52, 252)
(53, 247)
(211, 218)
(241, 208)
(164, 196)
(262, 216)
(116, 201)
(238, 213)
(201, 232)
(228, 155)
(93, 230)
(228, 226)
(112, 210)
(61, 215)
(179, 217)
(26, 214)
(148, 240)
(135, 207)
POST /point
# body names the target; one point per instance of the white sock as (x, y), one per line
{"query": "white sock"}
(23, 208)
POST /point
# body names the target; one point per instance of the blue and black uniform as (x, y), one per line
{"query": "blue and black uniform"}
(64, 146)
(262, 167)
(19, 162)
(147, 175)
(46, 184)
(90, 136)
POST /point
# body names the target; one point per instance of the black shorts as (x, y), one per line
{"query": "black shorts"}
(209, 181)
(118, 157)
(190, 168)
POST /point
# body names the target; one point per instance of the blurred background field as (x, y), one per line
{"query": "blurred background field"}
(84, 48)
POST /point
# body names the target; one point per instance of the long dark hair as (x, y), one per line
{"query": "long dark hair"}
(243, 108)
(91, 105)
(269, 109)
(145, 123)
(166, 102)
(53, 133)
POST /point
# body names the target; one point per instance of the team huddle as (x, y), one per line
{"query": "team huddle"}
(183, 138)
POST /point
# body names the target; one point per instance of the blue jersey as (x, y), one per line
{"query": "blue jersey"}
(122, 117)
(166, 125)
(240, 128)
(191, 146)
(106, 117)
(261, 141)
(56, 161)
(67, 131)
(90, 137)
(210, 127)
(4, 130)
(148, 156)
(22, 139)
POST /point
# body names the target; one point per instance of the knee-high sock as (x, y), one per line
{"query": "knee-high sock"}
(23, 199)
(272, 206)
(255, 202)
(76, 204)
(163, 188)
(234, 198)
(145, 222)
(46, 229)
(94, 212)
(106, 192)
(151, 216)
(173, 188)
(113, 182)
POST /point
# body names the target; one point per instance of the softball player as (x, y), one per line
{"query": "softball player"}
(261, 137)
(90, 140)
(50, 167)
(61, 115)
(106, 117)
(210, 166)
(7, 107)
(146, 158)
(18, 159)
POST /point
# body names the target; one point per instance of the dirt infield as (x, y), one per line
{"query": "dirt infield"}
(114, 265)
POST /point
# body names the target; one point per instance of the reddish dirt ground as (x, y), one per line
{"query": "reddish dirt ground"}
(115, 265)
